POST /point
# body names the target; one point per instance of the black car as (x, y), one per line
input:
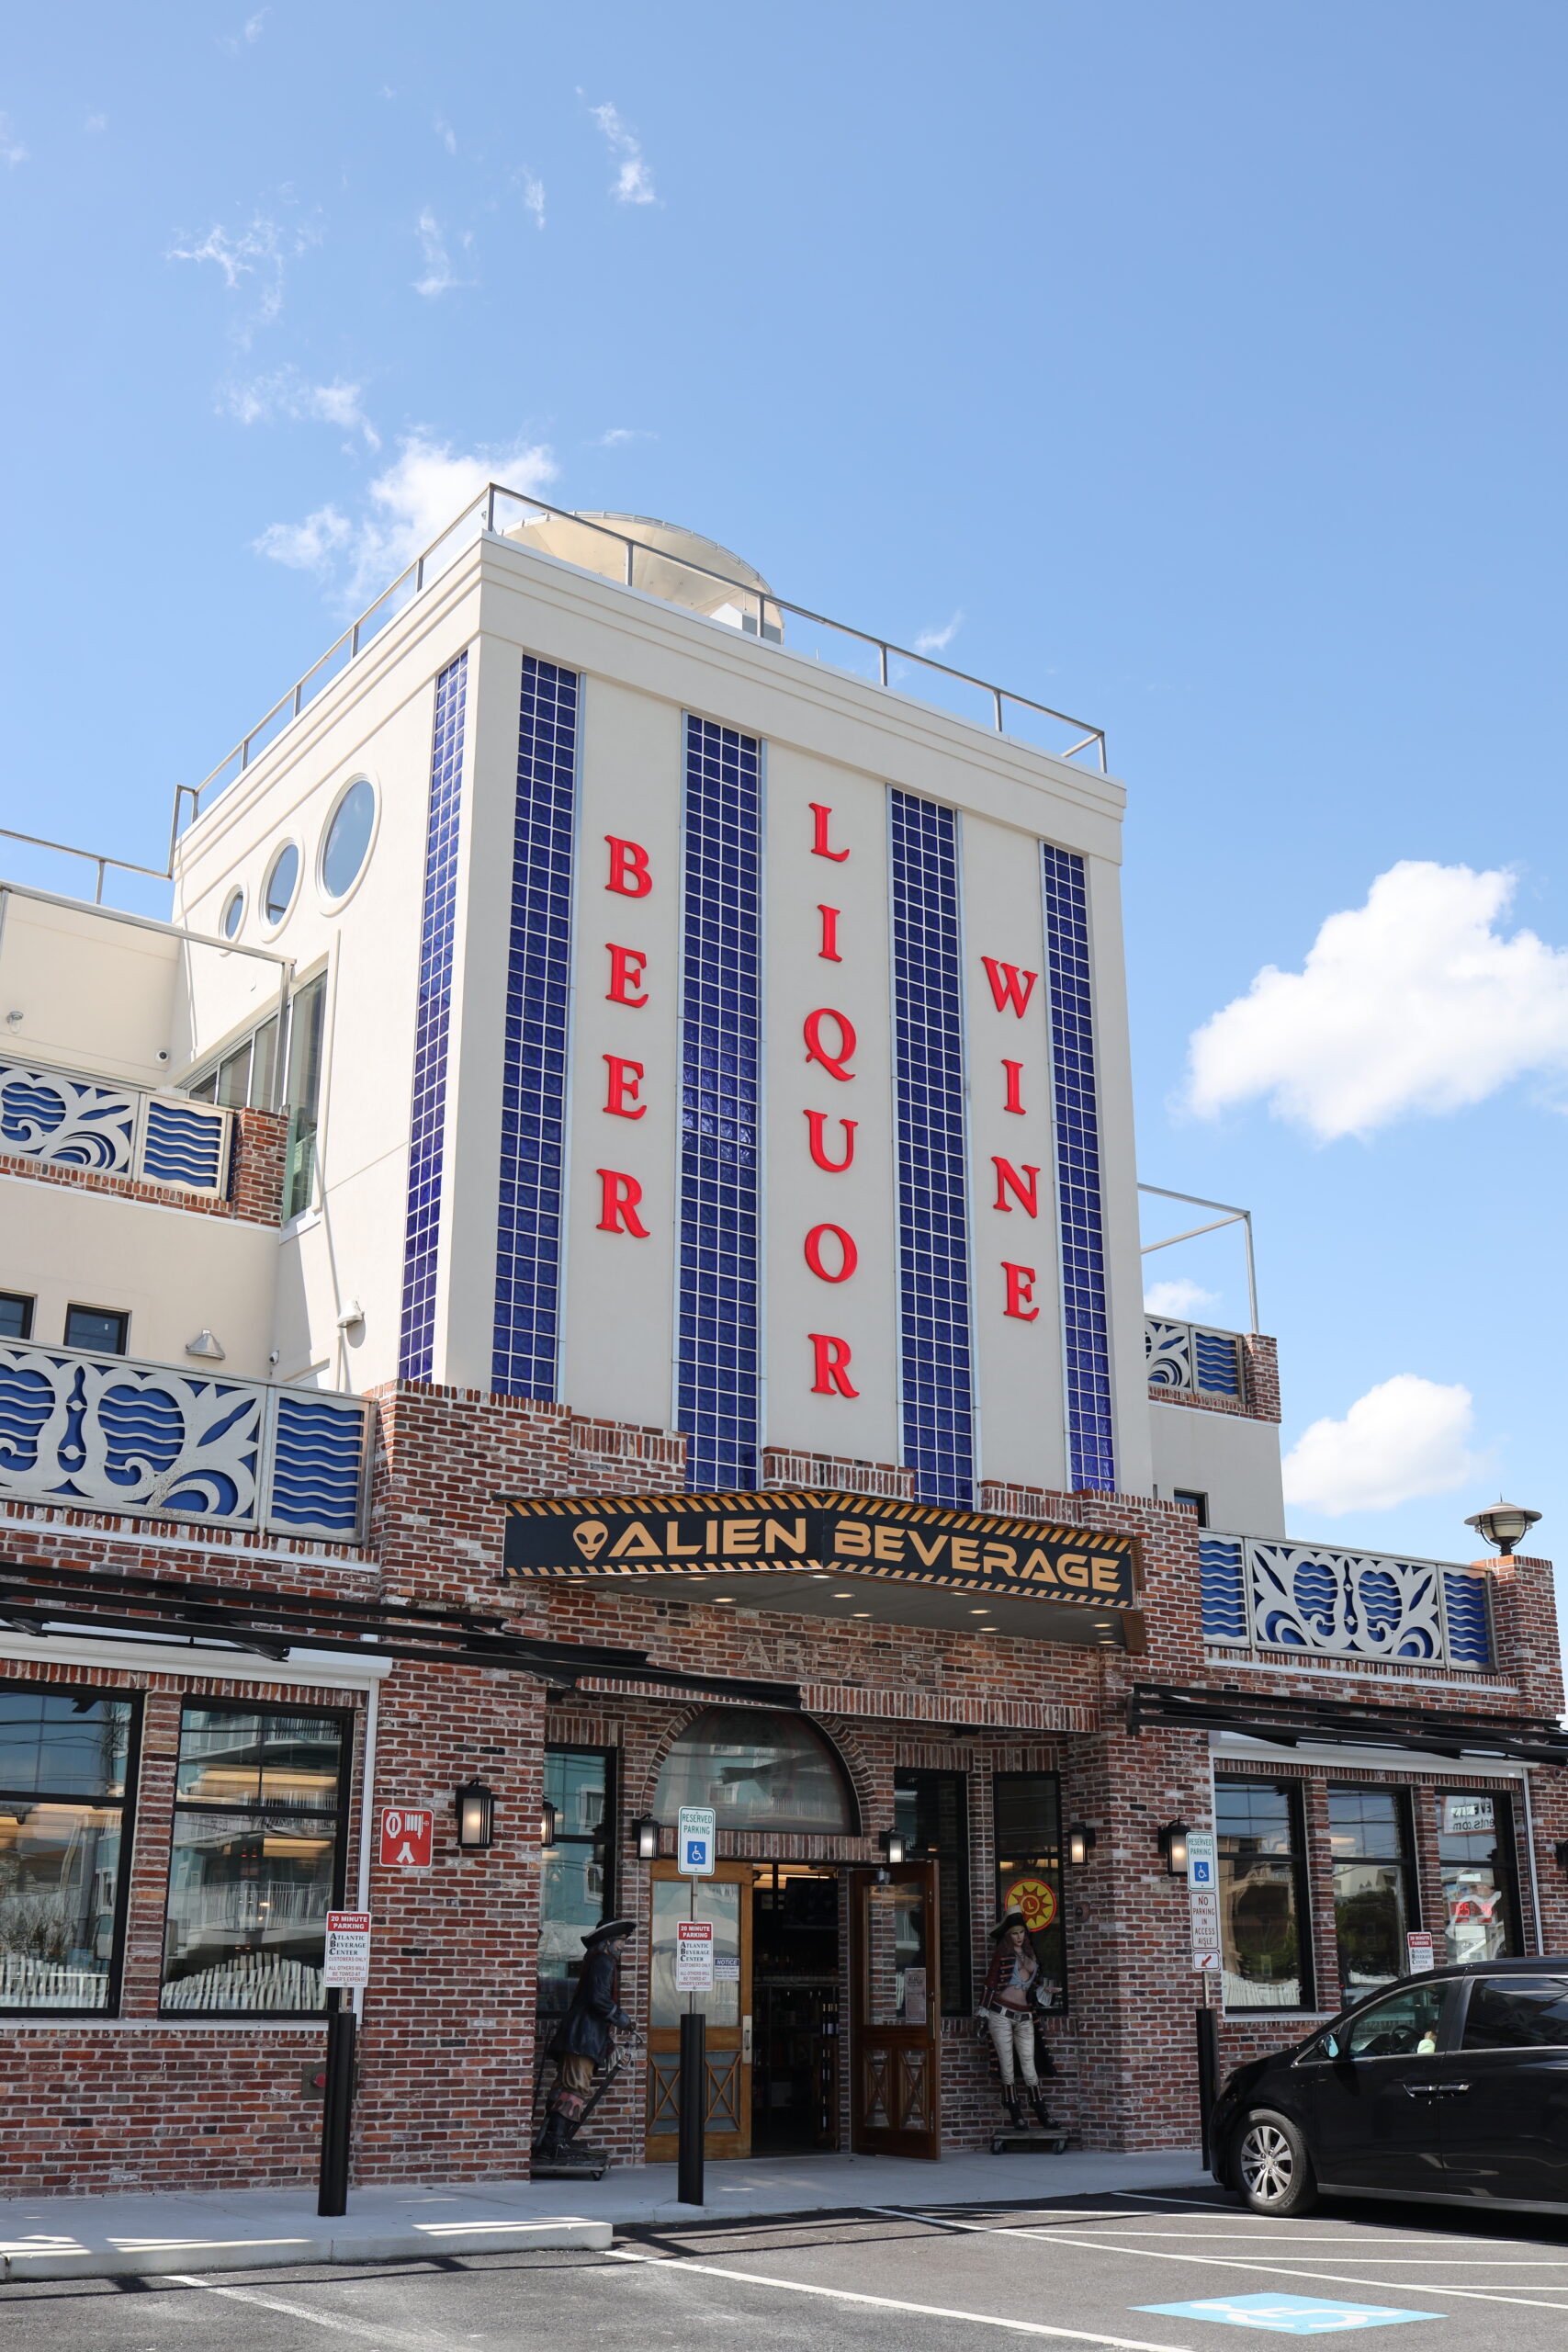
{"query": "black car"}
(1451, 2085)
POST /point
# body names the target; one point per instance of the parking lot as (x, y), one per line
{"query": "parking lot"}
(1141, 2273)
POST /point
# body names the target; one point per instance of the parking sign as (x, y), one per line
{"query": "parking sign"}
(1201, 1858)
(695, 1841)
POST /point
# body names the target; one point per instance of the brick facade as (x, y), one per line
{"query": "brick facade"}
(447, 2055)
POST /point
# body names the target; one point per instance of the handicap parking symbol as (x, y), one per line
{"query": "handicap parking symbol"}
(1288, 2315)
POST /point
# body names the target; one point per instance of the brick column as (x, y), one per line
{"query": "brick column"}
(255, 1173)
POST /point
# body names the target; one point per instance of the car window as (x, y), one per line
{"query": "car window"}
(1404, 2025)
(1518, 2013)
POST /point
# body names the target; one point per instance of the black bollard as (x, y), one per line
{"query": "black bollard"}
(1208, 2074)
(694, 2107)
(337, 2109)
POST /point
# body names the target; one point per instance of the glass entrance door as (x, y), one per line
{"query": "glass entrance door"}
(725, 1900)
(895, 2017)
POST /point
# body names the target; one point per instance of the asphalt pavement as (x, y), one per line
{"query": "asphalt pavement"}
(1134, 2272)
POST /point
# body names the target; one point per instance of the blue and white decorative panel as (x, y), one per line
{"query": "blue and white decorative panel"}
(318, 1465)
(427, 1128)
(1169, 1347)
(1199, 1363)
(1092, 1452)
(68, 1120)
(718, 1386)
(1217, 1362)
(935, 1354)
(1259, 1593)
(183, 1143)
(528, 1236)
(1223, 1570)
(105, 1433)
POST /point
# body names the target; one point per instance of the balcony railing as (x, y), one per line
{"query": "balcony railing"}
(1187, 1357)
(90, 1432)
(1263, 1593)
(71, 1121)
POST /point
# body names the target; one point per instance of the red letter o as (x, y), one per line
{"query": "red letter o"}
(814, 1253)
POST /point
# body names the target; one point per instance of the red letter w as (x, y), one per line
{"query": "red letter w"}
(1008, 985)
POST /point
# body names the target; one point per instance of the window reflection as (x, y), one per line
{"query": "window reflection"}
(1368, 1835)
(576, 1893)
(60, 1852)
(1261, 1906)
(756, 1770)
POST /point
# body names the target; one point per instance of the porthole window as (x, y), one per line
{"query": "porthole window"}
(347, 839)
(282, 880)
(233, 913)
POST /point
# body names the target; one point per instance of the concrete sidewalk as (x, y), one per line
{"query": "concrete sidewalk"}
(109, 2237)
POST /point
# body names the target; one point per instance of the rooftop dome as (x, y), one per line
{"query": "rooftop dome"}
(678, 573)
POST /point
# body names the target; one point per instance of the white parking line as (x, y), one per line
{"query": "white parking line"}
(376, 2332)
(885, 2303)
(1213, 2261)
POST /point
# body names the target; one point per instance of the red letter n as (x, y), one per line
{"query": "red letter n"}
(1008, 1179)
(832, 1366)
(629, 868)
(1008, 985)
(619, 1198)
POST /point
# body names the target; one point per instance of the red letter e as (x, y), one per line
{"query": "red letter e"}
(1020, 1290)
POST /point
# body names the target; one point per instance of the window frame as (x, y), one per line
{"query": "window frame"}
(1294, 1792)
(1405, 1813)
(1058, 1869)
(111, 1314)
(27, 1301)
(347, 1717)
(1195, 1500)
(1506, 1841)
(957, 2000)
(126, 1806)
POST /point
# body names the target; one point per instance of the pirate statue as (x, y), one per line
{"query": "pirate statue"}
(585, 2036)
(1014, 1992)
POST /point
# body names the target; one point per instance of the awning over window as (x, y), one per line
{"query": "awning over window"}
(1289, 1721)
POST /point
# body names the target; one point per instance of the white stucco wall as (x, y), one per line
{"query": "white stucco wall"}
(1233, 1460)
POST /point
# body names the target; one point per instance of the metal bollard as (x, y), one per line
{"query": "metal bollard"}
(694, 2107)
(337, 2109)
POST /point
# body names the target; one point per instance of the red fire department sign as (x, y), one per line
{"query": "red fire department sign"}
(407, 1837)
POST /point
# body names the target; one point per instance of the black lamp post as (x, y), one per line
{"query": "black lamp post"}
(475, 1808)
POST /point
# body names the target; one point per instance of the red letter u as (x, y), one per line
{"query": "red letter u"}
(815, 1124)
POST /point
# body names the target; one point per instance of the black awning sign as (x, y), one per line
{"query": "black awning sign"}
(594, 1538)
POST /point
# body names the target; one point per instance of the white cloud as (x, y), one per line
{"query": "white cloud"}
(937, 640)
(1413, 1002)
(444, 132)
(309, 545)
(96, 122)
(262, 250)
(1178, 1297)
(419, 493)
(619, 435)
(287, 394)
(533, 197)
(11, 148)
(248, 34)
(1404, 1439)
(439, 275)
(633, 183)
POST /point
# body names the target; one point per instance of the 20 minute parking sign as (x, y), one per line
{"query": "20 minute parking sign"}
(696, 1839)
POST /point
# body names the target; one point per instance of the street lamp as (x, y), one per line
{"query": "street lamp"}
(1081, 1839)
(1504, 1524)
(475, 1807)
(1173, 1846)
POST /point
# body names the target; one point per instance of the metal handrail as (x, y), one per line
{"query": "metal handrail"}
(293, 702)
(1232, 1217)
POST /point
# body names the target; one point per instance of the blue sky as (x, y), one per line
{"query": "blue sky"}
(1200, 368)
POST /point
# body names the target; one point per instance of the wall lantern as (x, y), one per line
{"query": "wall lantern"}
(1173, 1846)
(1560, 1852)
(1081, 1842)
(1504, 1524)
(475, 1807)
(546, 1824)
(645, 1828)
(892, 1844)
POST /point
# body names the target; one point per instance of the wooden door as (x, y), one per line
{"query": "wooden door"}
(726, 1900)
(895, 2012)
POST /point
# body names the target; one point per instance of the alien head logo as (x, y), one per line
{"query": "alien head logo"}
(590, 1538)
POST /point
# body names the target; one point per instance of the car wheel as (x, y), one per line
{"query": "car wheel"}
(1270, 2165)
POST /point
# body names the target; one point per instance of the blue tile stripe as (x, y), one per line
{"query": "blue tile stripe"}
(432, 1020)
(1092, 1456)
(718, 1378)
(934, 1222)
(528, 1234)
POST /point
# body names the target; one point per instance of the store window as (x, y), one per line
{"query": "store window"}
(307, 1019)
(67, 1769)
(1475, 1854)
(260, 1807)
(1375, 1885)
(578, 1888)
(1027, 1814)
(1264, 1946)
(758, 1771)
(931, 1811)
